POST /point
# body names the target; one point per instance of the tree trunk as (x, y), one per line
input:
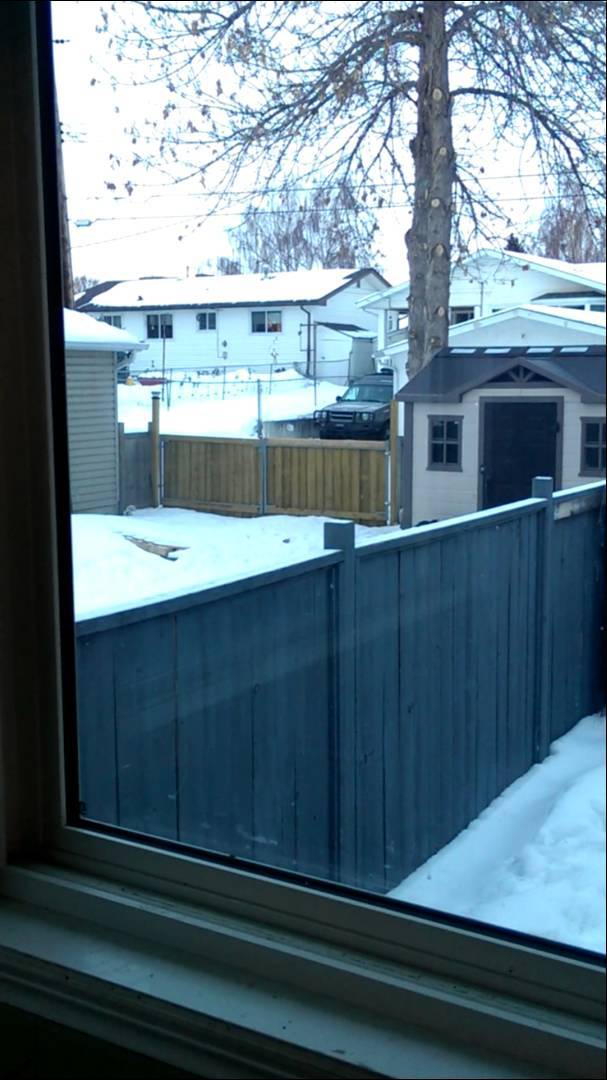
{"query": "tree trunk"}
(429, 239)
(67, 280)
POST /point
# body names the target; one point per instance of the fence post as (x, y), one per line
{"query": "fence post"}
(155, 448)
(393, 520)
(542, 488)
(340, 536)
(121, 469)
(263, 455)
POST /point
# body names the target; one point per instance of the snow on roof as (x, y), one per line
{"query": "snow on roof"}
(81, 330)
(590, 275)
(591, 319)
(298, 286)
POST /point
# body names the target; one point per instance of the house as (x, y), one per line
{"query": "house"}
(307, 319)
(480, 423)
(94, 351)
(503, 298)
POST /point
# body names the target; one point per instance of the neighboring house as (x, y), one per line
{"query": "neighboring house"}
(308, 318)
(93, 353)
(502, 298)
(480, 423)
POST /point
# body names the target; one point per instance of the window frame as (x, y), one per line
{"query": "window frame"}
(587, 470)
(111, 320)
(165, 318)
(444, 418)
(266, 312)
(458, 310)
(498, 993)
(206, 312)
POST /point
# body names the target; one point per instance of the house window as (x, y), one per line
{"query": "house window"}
(597, 307)
(460, 315)
(206, 320)
(266, 322)
(112, 320)
(445, 442)
(159, 326)
(593, 447)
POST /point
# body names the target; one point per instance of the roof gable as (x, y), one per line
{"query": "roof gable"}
(454, 372)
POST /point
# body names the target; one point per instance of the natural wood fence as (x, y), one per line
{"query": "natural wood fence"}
(337, 478)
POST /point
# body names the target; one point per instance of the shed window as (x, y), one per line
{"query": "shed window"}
(160, 326)
(207, 320)
(445, 442)
(266, 322)
(593, 447)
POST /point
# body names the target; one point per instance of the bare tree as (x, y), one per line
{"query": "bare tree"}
(263, 91)
(567, 230)
(301, 231)
(82, 282)
(228, 267)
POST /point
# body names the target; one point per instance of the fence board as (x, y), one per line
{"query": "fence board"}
(134, 455)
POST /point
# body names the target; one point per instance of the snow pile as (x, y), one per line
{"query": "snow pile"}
(534, 861)
(203, 404)
(112, 574)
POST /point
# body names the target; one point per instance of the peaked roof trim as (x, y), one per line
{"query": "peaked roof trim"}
(491, 367)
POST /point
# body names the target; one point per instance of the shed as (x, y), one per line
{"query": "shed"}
(480, 423)
(93, 353)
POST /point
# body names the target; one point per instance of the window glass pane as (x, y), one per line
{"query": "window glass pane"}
(251, 683)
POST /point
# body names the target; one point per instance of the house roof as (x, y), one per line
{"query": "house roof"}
(83, 332)
(593, 321)
(454, 371)
(586, 275)
(233, 290)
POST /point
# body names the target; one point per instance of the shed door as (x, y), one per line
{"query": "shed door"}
(520, 440)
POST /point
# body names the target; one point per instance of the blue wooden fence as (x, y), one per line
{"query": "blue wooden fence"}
(348, 716)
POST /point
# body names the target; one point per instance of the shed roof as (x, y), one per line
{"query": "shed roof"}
(453, 372)
(83, 332)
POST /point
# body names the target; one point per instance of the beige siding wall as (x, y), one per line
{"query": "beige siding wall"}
(92, 430)
(438, 495)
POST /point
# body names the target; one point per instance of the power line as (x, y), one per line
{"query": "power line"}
(306, 190)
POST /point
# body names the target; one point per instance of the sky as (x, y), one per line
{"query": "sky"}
(159, 228)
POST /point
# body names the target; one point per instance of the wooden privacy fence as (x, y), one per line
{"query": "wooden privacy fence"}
(276, 476)
(347, 716)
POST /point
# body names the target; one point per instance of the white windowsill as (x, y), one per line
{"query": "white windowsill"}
(204, 992)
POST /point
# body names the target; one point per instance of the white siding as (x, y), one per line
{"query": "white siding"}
(438, 495)
(191, 347)
(92, 432)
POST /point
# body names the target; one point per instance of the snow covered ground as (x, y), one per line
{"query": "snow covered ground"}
(203, 404)
(535, 859)
(111, 573)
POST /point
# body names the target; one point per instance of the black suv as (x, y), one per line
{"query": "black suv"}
(362, 413)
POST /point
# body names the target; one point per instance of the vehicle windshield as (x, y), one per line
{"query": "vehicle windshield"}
(368, 392)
